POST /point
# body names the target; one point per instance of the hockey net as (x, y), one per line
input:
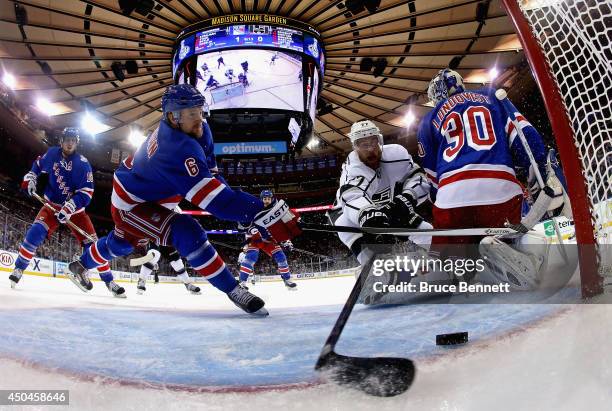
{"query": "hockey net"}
(568, 45)
(232, 93)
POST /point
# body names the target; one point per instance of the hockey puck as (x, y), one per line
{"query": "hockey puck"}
(452, 338)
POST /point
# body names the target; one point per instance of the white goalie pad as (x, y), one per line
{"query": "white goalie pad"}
(532, 261)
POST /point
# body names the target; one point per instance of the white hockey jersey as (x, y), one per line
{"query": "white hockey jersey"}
(361, 187)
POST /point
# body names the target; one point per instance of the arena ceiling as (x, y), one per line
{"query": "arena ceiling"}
(63, 53)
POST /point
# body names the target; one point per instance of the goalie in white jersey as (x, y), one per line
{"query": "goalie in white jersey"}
(380, 186)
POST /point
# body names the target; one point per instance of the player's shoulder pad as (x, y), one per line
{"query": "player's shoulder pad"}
(487, 91)
(53, 151)
(395, 152)
(83, 158)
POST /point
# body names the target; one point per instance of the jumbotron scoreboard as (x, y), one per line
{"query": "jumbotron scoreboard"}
(254, 66)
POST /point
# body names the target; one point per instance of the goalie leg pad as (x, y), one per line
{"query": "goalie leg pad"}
(508, 265)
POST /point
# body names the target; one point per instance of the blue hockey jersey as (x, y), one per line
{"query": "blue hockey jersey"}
(469, 149)
(69, 177)
(170, 166)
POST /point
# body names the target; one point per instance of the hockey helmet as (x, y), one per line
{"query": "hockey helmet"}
(70, 132)
(446, 83)
(266, 193)
(181, 96)
(363, 129)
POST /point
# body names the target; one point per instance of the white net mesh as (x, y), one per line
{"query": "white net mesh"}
(575, 36)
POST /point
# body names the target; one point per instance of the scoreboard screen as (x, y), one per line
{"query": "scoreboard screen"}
(241, 35)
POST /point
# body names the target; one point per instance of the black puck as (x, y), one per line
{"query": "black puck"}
(452, 338)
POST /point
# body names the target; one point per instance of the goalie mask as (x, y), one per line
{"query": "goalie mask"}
(446, 83)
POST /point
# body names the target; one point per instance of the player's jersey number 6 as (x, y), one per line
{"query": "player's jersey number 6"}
(475, 127)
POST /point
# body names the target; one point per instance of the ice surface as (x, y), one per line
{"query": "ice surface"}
(169, 350)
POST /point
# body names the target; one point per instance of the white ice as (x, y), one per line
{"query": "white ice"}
(559, 360)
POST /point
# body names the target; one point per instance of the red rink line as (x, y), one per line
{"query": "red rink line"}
(216, 389)
(299, 210)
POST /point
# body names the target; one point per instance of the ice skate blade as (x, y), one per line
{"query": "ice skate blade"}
(262, 312)
(140, 292)
(13, 284)
(291, 288)
(119, 295)
(76, 282)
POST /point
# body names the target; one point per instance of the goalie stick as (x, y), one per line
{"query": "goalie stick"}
(379, 376)
(502, 96)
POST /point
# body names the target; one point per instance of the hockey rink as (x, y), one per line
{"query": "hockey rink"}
(169, 350)
(274, 79)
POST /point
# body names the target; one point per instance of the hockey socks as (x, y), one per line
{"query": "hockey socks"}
(35, 236)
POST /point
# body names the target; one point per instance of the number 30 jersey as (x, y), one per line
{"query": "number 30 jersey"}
(469, 149)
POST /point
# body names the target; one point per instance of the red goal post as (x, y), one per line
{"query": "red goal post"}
(561, 40)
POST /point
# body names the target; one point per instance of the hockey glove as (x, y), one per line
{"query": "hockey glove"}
(279, 220)
(67, 210)
(403, 213)
(29, 183)
(375, 217)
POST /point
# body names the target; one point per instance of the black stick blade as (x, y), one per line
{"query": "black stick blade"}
(378, 376)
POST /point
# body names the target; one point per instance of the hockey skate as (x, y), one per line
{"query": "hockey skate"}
(243, 285)
(79, 276)
(247, 302)
(192, 288)
(291, 286)
(140, 287)
(15, 277)
(116, 289)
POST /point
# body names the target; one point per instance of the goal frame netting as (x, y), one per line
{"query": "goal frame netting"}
(584, 213)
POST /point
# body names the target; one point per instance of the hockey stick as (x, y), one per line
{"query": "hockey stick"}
(141, 260)
(305, 252)
(133, 262)
(408, 232)
(68, 222)
(502, 96)
(379, 376)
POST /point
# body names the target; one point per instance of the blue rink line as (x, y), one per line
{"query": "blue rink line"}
(208, 349)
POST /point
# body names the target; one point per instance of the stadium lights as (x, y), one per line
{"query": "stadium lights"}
(312, 143)
(493, 73)
(46, 107)
(9, 80)
(92, 125)
(408, 119)
(136, 138)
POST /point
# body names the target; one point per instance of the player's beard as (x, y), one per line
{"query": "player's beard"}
(371, 159)
(196, 131)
